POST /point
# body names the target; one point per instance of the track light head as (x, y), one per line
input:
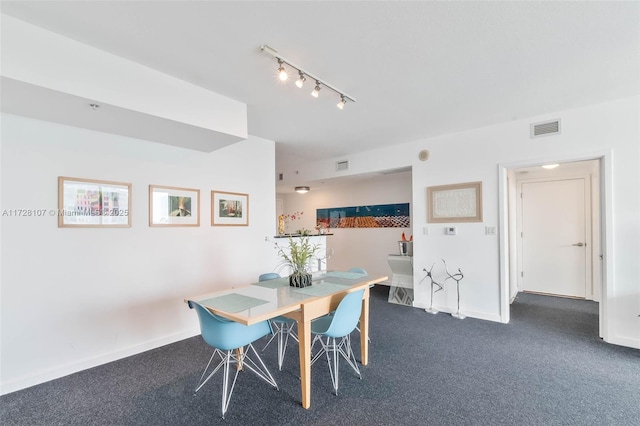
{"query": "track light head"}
(301, 80)
(282, 73)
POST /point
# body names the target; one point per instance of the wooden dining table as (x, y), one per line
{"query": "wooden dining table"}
(253, 303)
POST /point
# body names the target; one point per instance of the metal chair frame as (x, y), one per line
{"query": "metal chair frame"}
(239, 357)
(282, 327)
(282, 331)
(341, 348)
(232, 342)
(338, 336)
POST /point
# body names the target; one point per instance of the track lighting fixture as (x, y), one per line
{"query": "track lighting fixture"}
(316, 90)
(282, 74)
(301, 80)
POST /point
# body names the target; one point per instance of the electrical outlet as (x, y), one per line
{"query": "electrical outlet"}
(450, 230)
(490, 230)
(425, 230)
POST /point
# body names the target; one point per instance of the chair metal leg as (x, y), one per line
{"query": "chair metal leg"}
(260, 370)
(228, 358)
(207, 367)
(336, 365)
(331, 347)
(226, 392)
(348, 354)
(333, 351)
(201, 383)
(368, 338)
(349, 348)
(283, 339)
(293, 333)
(313, 342)
(282, 332)
(276, 329)
(315, 357)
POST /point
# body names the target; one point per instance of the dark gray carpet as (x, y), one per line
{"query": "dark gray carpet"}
(546, 367)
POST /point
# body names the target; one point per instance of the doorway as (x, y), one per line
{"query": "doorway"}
(546, 189)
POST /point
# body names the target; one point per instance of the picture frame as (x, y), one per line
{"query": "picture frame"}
(90, 203)
(461, 202)
(397, 215)
(173, 206)
(229, 209)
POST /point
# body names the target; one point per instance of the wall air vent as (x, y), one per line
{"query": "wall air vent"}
(546, 128)
(342, 165)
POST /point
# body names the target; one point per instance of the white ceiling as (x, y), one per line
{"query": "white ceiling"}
(417, 69)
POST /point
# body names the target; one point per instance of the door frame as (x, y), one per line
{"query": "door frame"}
(590, 293)
(606, 228)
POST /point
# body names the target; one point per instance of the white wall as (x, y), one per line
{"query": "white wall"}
(609, 129)
(76, 298)
(367, 248)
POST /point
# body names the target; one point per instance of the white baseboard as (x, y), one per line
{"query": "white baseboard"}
(84, 364)
(624, 341)
(470, 314)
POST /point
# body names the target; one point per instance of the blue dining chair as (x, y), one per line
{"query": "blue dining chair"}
(229, 339)
(339, 326)
(283, 326)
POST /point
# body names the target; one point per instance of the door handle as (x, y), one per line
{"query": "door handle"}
(579, 244)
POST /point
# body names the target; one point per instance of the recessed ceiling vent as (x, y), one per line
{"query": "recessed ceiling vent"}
(546, 128)
(342, 165)
(392, 171)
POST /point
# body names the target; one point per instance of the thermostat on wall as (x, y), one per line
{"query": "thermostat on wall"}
(450, 230)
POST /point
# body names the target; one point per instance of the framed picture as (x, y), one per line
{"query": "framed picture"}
(229, 209)
(371, 216)
(460, 202)
(88, 203)
(171, 206)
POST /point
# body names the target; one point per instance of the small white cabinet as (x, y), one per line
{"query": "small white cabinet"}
(401, 291)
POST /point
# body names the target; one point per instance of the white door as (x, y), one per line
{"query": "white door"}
(554, 237)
